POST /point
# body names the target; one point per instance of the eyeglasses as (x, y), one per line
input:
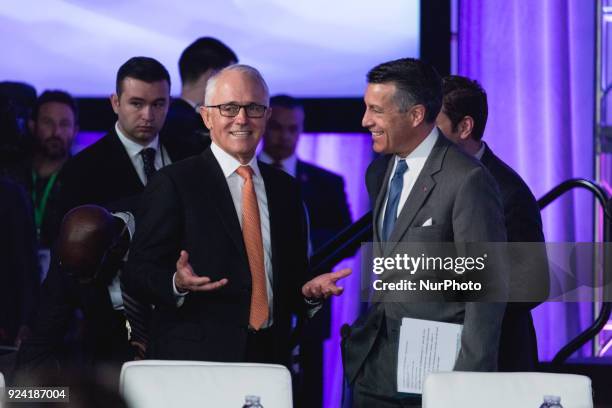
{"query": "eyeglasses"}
(231, 110)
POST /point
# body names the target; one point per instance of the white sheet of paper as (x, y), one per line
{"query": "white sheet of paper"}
(425, 346)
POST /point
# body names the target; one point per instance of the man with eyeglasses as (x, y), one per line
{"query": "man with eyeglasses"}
(221, 247)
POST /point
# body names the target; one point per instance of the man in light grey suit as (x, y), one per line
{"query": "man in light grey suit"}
(423, 189)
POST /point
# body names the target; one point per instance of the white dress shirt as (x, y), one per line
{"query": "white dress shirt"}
(288, 165)
(133, 150)
(480, 151)
(415, 161)
(235, 183)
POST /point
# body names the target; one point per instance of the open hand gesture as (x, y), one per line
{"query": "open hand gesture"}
(187, 281)
(323, 286)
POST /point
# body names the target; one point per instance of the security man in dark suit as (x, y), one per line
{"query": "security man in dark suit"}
(463, 119)
(328, 213)
(184, 128)
(110, 173)
(119, 165)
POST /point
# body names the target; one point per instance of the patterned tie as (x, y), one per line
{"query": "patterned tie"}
(137, 314)
(251, 233)
(148, 162)
(395, 191)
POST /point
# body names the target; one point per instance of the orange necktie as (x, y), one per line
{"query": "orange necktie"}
(251, 233)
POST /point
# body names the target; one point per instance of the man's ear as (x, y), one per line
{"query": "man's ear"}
(268, 113)
(114, 100)
(205, 114)
(465, 127)
(31, 126)
(417, 115)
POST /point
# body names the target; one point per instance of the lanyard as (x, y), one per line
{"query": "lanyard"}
(40, 207)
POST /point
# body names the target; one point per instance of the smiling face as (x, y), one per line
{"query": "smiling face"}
(392, 130)
(141, 108)
(239, 135)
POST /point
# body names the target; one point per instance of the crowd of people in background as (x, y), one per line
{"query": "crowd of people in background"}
(219, 238)
(54, 315)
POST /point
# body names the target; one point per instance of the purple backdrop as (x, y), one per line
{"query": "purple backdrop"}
(349, 156)
(535, 59)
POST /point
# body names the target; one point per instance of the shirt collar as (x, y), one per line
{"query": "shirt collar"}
(480, 151)
(193, 104)
(423, 150)
(229, 164)
(133, 149)
(289, 164)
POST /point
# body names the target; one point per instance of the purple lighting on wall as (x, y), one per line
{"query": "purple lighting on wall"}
(535, 60)
(347, 155)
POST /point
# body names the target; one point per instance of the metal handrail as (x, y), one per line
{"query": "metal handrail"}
(342, 245)
(598, 191)
(606, 307)
(349, 239)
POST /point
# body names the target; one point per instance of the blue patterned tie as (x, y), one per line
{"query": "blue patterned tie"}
(395, 191)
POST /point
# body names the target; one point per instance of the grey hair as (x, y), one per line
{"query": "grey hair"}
(404, 99)
(211, 84)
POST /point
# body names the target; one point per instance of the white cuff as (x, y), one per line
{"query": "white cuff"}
(315, 306)
(178, 295)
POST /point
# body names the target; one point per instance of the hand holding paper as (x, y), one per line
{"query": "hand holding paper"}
(425, 347)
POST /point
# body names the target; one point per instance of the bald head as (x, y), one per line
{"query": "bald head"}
(86, 234)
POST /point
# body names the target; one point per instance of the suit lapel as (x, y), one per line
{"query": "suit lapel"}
(421, 190)
(301, 173)
(122, 163)
(216, 186)
(487, 157)
(380, 200)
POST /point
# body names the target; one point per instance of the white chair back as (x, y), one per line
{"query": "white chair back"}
(2, 393)
(166, 383)
(505, 390)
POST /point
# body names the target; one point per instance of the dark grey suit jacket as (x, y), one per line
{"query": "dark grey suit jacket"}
(462, 199)
(518, 349)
